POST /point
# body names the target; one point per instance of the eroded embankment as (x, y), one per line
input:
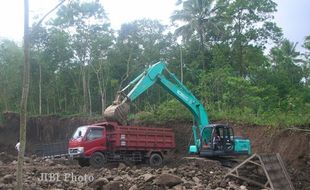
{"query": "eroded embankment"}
(40, 130)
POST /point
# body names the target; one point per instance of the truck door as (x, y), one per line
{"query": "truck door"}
(95, 140)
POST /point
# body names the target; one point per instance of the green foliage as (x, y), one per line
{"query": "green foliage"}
(144, 117)
(219, 87)
(80, 64)
(170, 110)
(11, 59)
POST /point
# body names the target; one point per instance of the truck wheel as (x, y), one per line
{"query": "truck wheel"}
(83, 162)
(97, 160)
(156, 160)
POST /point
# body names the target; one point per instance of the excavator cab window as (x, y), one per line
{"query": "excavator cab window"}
(222, 138)
(228, 138)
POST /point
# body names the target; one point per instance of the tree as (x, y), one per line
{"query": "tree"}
(38, 39)
(25, 91)
(306, 65)
(59, 76)
(11, 58)
(286, 74)
(138, 45)
(285, 59)
(81, 20)
(199, 17)
(250, 24)
(101, 42)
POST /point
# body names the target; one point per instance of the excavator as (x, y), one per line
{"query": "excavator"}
(210, 140)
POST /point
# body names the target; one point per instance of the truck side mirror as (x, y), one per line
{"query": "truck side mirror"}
(80, 133)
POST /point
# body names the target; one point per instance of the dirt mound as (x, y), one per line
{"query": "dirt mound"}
(293, 146)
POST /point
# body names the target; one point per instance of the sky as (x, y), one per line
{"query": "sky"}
(293, 16)
(118, 11)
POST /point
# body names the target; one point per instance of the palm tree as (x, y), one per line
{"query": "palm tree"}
(197, 16)
(286, 53)
(286, 61)
(306, 63)
(307, 42)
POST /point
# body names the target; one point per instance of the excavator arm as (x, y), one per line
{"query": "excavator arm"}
(156, 74)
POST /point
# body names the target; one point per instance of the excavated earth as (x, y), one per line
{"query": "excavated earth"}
(179, 171)
(65, 174)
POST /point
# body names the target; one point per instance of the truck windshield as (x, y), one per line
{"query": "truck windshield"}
(79, 132)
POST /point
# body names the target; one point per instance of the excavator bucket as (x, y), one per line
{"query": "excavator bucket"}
(117, 112)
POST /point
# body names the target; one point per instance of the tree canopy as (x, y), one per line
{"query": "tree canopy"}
(78, 63)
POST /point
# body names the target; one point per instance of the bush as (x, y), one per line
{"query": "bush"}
(170, 110)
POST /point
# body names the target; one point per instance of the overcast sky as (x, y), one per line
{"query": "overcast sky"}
(293, 16)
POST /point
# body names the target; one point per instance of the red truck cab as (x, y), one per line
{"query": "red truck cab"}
(104, 142)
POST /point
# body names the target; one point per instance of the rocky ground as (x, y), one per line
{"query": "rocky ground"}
(293, 146)
(179, 174)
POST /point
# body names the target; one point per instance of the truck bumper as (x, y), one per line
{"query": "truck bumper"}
(73, 156)
(76, 153)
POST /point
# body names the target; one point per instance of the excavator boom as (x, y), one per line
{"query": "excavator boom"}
(156, 74)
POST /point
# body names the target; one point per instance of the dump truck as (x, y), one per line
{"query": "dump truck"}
(100, 143)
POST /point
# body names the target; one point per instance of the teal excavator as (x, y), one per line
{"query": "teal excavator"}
(211, 140)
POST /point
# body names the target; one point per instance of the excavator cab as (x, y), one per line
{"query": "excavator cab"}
(223, 143)
(222, 138)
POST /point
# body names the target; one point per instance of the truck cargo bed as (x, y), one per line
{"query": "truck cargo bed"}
(139, 138)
